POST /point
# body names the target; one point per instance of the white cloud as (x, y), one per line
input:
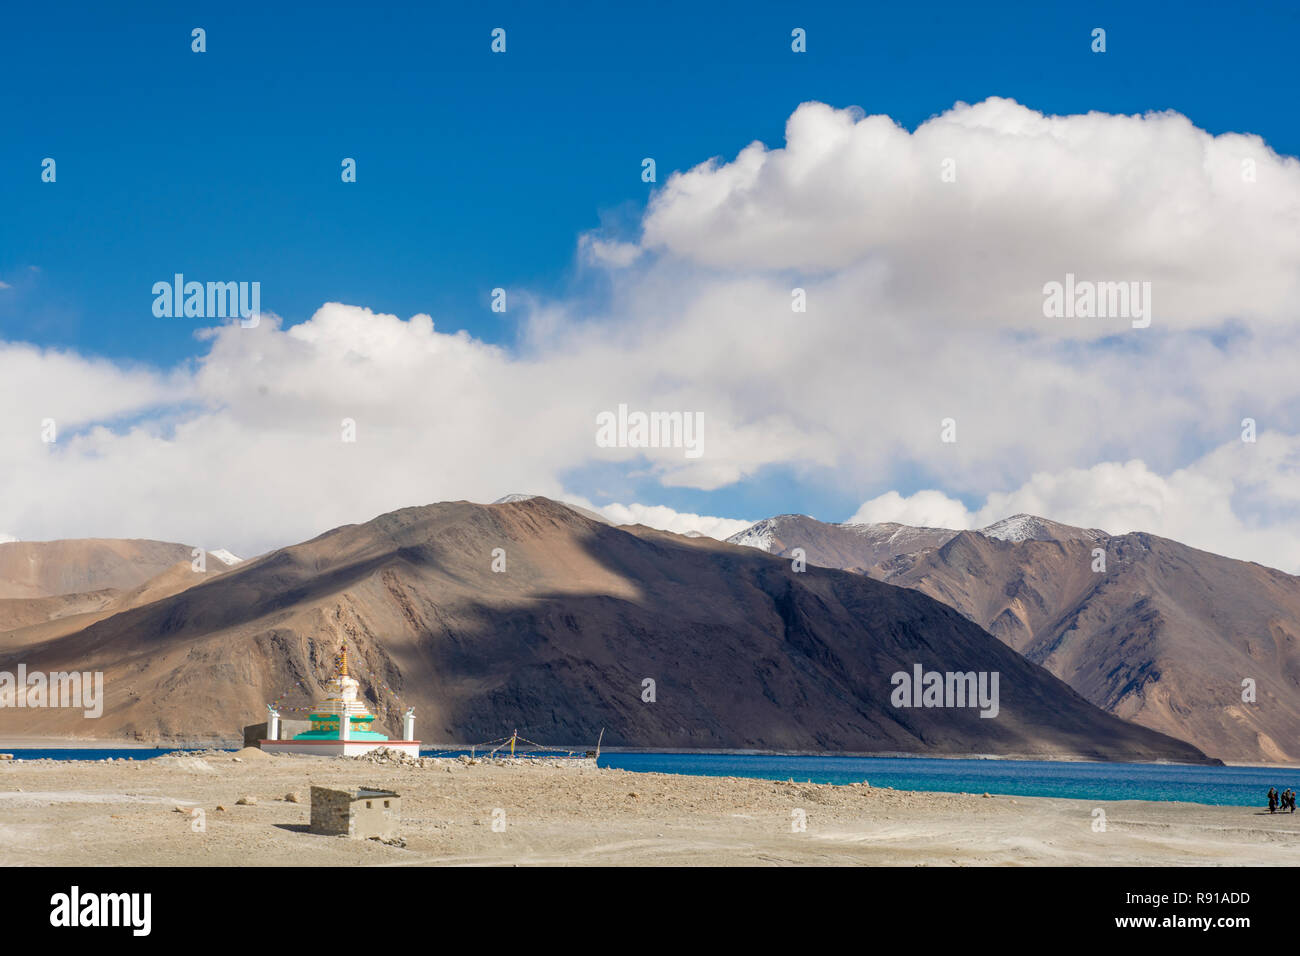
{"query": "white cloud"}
(924, 509)
(1241, 500)
(666, 519)
(608, 252)
(923, 303)
(248, 451)
(39, 384)
(1107, 197)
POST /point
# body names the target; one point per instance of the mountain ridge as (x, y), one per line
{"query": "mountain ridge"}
(1144, 627)
(745, 653)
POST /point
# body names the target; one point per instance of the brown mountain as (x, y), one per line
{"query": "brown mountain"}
(36, 569)
(744, 652)
(858, 547)
(1164, 637)
(123, 574)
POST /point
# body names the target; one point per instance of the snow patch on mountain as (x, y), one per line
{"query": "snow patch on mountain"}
(759, 535)
(1017, 528)
(225, 557)
(902, 537)
(1022, 527)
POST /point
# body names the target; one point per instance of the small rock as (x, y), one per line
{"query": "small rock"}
(240, 759)
(246, 801)
(986, 794)
(294, 797)
(221, 808)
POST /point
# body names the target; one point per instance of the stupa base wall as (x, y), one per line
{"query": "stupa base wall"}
(338, 748)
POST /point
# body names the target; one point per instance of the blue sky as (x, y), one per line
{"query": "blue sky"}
(477, 170)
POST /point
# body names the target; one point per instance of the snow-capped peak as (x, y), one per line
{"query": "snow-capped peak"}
(759, 535)
(1024, 527)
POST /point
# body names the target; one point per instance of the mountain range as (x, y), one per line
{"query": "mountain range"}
(1146, 628)
(529, 615)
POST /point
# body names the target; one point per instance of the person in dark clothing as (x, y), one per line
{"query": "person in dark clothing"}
(1272, 799)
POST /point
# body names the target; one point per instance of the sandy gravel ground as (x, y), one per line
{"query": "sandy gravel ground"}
(125, 813)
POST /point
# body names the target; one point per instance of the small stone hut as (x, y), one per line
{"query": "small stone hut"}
(362, 814)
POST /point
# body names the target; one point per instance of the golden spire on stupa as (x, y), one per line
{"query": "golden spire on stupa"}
(343, 661)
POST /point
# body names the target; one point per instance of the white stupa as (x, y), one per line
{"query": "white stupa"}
(340, 724)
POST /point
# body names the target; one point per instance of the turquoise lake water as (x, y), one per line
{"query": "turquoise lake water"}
(1225, 786)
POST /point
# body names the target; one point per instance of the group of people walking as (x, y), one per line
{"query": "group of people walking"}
(1283, 801)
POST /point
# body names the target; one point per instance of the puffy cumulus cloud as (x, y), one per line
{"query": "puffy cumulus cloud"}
(1210, 221)
(249, 450)
(1241, 500)
(252, 455)
(850, 388)
(666, 519)
(923, 509)
(73, 391)
(923, 302)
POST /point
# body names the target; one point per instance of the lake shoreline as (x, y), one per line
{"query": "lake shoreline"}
(1100, 781)
(185, 811)
(217, 743)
